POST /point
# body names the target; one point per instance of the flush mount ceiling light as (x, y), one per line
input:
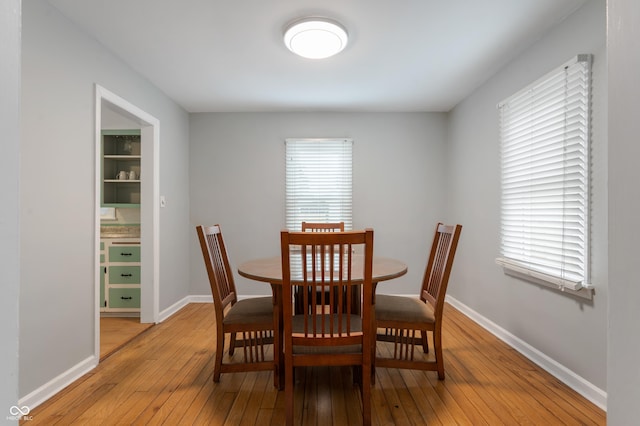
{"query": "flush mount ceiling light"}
(315, 38)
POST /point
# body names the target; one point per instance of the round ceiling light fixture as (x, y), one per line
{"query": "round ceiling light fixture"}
(315, 38)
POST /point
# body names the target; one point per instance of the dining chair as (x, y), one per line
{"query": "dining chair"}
(250, 318)
(322, 227)
(317, 227)
(402, 317)
(333, 335)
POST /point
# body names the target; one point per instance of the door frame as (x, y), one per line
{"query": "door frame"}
(149, 206)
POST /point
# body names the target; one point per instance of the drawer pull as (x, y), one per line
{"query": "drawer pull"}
(126, 275)
(126, 254)
(126, 298)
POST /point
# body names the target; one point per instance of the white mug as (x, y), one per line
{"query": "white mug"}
(122, 175)
(132, 175)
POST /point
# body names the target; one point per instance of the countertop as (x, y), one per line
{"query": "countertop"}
(120, 231)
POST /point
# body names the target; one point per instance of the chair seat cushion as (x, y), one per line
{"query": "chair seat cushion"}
(252, 310)
(402, 308)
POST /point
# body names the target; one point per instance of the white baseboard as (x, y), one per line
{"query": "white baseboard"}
(166, 313)
(562, 373)
(182, 303)
(203, 299)
(54, 386)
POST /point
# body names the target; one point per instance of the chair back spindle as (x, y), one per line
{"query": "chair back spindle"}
(436, 276)
(221, 281)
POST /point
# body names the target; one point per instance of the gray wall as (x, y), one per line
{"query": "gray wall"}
(9, 213)
(237, 180)
(61, 65)
(572, 332)
(623, 374)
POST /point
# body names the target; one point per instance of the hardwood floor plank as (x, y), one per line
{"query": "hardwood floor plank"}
(115, 332)
(310, 397)
(242, 399)
(323, 396)
(270, 399)
(161, 404)
(339, 409)
(353, 397)
(278, 416)
(431, 410)
(408, 404)
(380, 411)
(164, 376)
(260, 391)
(397, 410)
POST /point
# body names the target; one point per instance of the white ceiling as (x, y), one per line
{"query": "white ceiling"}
(408, 55)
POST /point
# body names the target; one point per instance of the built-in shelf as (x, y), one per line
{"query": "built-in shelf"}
(120, 153)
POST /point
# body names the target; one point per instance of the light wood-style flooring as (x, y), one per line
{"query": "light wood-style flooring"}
(115, 332)
(164, 376)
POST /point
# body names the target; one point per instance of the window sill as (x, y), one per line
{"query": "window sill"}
(521, 272)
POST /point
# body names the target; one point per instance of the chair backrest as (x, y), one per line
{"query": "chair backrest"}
(219, 271)
(436, 276)
(324, 262)
(323, 227)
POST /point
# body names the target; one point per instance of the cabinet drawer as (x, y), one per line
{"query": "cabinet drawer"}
(124, 253)
(124, 298)
(124, 274)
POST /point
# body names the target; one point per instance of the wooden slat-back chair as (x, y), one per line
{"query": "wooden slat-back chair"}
(250, 318)
(403, 317)
(341, 333)
(317, 227)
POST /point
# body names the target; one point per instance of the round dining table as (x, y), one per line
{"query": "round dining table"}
(269, 270)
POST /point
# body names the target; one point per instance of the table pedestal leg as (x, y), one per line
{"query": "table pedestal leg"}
(278, 353)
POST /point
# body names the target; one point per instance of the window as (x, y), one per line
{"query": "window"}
(544, 136)
(318, 181)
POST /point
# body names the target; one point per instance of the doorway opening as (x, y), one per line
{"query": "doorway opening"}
(114, 112)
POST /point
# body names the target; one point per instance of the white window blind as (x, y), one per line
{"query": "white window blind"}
(318, 181)
(544, 135)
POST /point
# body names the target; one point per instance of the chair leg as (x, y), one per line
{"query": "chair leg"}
(288, 394)
(219, 352)
(373, 375)
(366, 395)
(357, 374)
(437, 344)
(232, 344)
(425, 342)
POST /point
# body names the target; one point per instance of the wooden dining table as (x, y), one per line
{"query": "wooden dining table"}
(269, 270)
